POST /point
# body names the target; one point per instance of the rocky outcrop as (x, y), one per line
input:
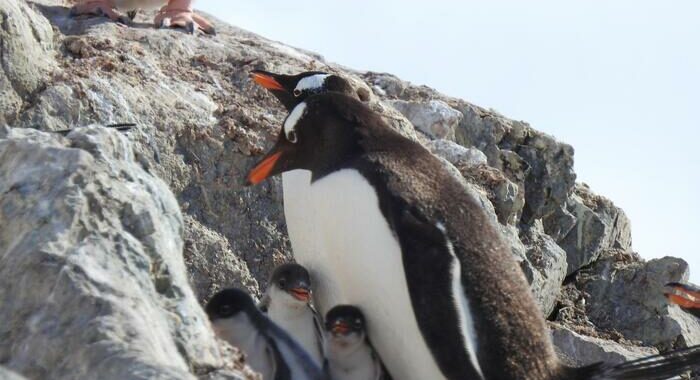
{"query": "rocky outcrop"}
(587, 226)
(580, 350)
(92, 278)
(112, 268)
(629, 299)
(26, 44)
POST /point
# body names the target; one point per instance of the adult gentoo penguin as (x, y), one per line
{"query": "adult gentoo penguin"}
(269, 349)
(442, 295)
(349, 354)
(173, 12)
(287, 302)
(290, 90)
(687, 296)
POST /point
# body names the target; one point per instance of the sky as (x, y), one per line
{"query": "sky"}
(618, 80)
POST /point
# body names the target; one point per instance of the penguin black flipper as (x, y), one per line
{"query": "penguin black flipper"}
(425, 246)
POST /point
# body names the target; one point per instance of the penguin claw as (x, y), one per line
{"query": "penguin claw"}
(132, 14)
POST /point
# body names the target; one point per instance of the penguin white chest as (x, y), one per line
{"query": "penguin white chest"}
(299, 213)
(367, 266)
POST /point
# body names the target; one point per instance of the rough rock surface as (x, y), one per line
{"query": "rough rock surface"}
(92, 277)
(435, 118)
(6, 374)
(581, 350)
(629, 299)
(588, 226)
(201, 125)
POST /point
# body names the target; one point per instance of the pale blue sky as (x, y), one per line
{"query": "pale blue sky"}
(618, 80)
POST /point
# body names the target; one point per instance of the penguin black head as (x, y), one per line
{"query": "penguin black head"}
(345, 321)
(320, 134)
(292, 279)
(291, 90)
(228, 303)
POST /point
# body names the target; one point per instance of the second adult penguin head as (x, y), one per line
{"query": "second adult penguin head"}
(291, 90)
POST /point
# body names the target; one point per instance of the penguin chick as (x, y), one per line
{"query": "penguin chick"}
(287, 302)
(349, 354)
(269, 349)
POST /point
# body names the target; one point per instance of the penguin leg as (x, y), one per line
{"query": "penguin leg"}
(179, 13)
(98, 8)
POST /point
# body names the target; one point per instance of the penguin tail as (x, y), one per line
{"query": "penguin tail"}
(656, 367)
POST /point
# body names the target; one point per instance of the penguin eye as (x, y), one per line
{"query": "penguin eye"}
(292, 136)
(225, 310)
(282, 283)
(297, 92)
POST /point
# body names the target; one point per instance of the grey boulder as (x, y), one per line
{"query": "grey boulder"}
(92, 280)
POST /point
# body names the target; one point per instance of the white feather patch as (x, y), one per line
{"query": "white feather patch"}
(462, 304)
(293, 118)
(312, 82)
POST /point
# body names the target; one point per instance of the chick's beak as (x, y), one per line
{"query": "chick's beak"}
(266, 80)
(301, 293)
(340, 328)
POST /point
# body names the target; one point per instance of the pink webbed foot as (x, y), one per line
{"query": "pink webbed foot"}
(179, 13)
(98, 8)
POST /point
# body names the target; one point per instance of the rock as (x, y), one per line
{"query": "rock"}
(507, 197)
(6, 374)
(456, 154)
(26, 49)
(545, 267)
(544, 164)
(204, 248)
(434, 118)
(590, 225)
(580, 350)
(92, 280)
(628, 297)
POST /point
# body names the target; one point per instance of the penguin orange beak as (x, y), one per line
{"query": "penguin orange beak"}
(301, 294)
(683, 295)
(340, 328)
(264, 168)
(266, 80)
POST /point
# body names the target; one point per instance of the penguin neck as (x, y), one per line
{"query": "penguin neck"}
(237, 330)
(350, 356)
(283, 306)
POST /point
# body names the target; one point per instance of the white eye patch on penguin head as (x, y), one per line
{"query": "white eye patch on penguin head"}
(311, 84)
(290, 124)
